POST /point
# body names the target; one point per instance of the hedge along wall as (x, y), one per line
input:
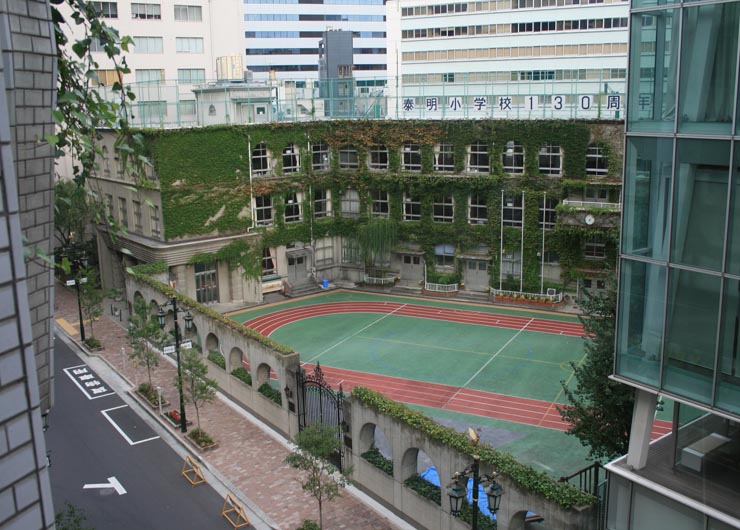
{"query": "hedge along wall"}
(205, 189)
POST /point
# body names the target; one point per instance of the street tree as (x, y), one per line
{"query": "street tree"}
(74, 212)
(143, 332)
(599, 410)
(91, 299)
(197, 388)
(323, 480)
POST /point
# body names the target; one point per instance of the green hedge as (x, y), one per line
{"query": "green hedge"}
(217, 359)
(269, 392)
(424, 488)
(242, 374)
(525, 477)
(149, 269)
(378, 460)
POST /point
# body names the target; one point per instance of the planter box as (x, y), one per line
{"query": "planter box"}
(214, 445)
(439, 294)
(154, 405)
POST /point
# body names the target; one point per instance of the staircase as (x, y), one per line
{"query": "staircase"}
(302, 289)
(592, 480)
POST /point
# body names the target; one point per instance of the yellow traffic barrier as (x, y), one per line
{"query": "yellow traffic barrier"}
(191, 471)
(234, 512)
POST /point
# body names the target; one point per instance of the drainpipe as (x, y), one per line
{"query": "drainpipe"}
(251, 186)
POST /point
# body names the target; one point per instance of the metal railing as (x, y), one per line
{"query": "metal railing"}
(170, 104)
(593, 204)
(441, 287)
(371, 280)
(554, 298)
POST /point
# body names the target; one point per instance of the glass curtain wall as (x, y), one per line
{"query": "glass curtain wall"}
(679, 306)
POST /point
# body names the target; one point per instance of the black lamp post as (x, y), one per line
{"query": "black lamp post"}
(188, 326)
(457, 490)
(80, 263)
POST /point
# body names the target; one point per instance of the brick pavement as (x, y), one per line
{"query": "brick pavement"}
(246, 455)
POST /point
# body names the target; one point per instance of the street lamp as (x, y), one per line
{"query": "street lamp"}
(80, 263)
(457, 490)
(162, 317)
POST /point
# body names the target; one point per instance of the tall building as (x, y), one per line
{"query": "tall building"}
(525, 51)
(679, 301)
(282, 37)
(27, 93)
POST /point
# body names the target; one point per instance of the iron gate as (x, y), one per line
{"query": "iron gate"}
(319, 403)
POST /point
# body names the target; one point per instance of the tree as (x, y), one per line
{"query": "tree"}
(91, 297)
(71, 518)
(73, 213)
(197, 388)
(376, 239)
(323, 481)
(143, 329)
(599, 410)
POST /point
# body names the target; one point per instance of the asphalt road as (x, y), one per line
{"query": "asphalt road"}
(94, 436)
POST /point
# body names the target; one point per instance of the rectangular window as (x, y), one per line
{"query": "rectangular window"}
(150, 111)
(190, 76)
(138, 224)
(291, 159)
(147, 44)
(378, 157)
(324, 251)
(109, 206)
(478, 159)
(593, 250)
(320, 204)
(350, 203)
(444, 157)
(106, 9)
(260, 160)
(268, 263)
(550, 160)
(206, 283)
(444, 255)
(443, 209)
(596, 161)
(596, 194)
(187, 106)
(154, 221)
(548, 215)
(146, 75)
(189, 44)
(411, 160)
(380, 204)
(96, 45)
(351, 252)
(263, 210)
(411, 208)
(122, 212)
(146, 11)
(106, 77)
(320, 157)
(348, 158)
(513, 210)
(513, 159)
(292, 208)
(478, 211)
(191, 13)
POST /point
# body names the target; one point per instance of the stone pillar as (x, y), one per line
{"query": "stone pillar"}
(642, 426)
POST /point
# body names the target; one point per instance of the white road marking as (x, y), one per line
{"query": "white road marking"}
(120, 431)
(85, 391)
(112, 483)
(356, 333)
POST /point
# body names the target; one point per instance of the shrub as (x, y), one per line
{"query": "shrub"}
(269, 392)
(378, 460)
(200, 437)
(308, 524)
(424, 488)
(92, 343)
(242, 374)
(217, 359)
(149, 393)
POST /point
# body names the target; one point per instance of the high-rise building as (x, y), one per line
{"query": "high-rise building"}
(679, 301)
(282, 37)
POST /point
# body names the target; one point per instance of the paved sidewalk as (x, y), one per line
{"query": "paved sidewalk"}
(247, 456)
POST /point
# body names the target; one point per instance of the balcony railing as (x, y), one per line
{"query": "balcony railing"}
(593, 204)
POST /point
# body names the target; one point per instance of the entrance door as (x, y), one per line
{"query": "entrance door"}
(475, 274)
(297, 269)
(412, 269)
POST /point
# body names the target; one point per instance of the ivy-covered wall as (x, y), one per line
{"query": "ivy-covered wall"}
(206, 190)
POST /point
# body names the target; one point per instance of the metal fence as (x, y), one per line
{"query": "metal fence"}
(169, 104)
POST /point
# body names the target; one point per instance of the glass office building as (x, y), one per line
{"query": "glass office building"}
(678, 323)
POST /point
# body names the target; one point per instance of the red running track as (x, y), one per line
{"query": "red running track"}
(267, 324)
(463, 400)
(476, 402)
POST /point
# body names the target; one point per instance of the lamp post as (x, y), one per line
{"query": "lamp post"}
(457, 490)
(80, 263)
(162, 317)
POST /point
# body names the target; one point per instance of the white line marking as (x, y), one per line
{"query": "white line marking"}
(496, 354)
(84, 390)
(356, 333)
(120, 431)
(112, 483)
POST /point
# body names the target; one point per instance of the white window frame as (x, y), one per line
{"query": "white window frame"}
(191, 76)
(292, 208)
(350, 203)
(154, 221)
(477, 210)
(380, 204)
(263, 215)
(593, 250)
(323, 200)
(260, 159)
(292, 156)
(597, 163)
(269, 266)
(444, 255)
(148, 44)
(378, 159)
(206, 282)
(106, 9)
(596, 194)
(411, 157)
(143, 11)
(512, 205)
(348, 158)
(551, 160)
(149, 75)
(189, 44)
(476, 151)
(411, 208)
(320, 157)
(324, 251)
(138, 218)
(512, 158)
(444, 157)
(188, 13)
(443, 209)
(548, 213)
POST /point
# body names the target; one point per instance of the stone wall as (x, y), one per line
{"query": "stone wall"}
(27, 81)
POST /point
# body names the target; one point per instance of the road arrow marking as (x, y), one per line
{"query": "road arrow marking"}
(112, 483)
